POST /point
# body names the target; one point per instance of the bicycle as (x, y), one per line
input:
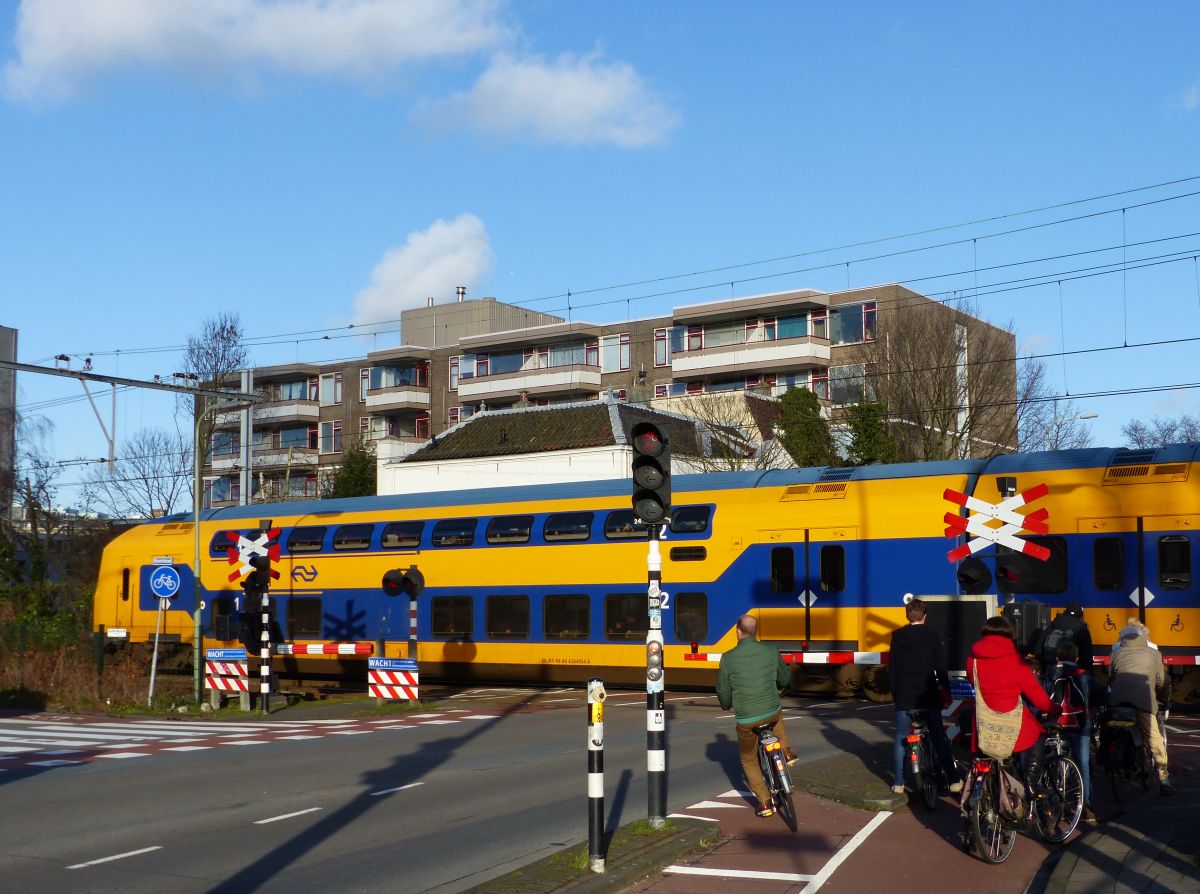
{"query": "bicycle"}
(1123, 751)
(923, 767)
(773, 764)
(1054, 802)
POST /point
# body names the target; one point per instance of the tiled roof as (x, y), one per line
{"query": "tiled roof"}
(544, 429)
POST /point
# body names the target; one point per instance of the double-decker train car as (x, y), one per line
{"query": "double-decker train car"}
(548, 583)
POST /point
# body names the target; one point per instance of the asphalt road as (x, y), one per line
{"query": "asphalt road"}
(434, 804)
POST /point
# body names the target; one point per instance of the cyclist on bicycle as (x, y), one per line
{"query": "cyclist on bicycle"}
(1004, 677)
(920, 684)
(1073, 693)
(1136, 677)
(749, 680)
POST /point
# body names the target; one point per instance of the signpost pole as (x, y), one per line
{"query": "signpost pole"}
(656, 723)
(154, 658)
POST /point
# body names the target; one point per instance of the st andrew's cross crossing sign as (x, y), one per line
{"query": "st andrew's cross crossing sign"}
(980, 525)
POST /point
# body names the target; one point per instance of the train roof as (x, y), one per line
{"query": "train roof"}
(1009, 464)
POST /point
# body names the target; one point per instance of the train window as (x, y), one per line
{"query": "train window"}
(454, 532)
(1174, 562)
(833, 569)
(688, 554)
(510, 529)
(625, 616)
(222, 543)
(783, 569)
(690, 520)
(306, 540)
(1019, 573)
(507, 617)
(1108, 563)
(304, 617)
(402, 535)
(691, 617)
(566, 617)
(451, 616)
(353, 537)
(125, 584)
(567, 526)
(619, 525)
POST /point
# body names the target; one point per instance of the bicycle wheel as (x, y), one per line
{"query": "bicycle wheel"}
(1120, 765)
(1057, 813)
(781, 792)
(993, 839)
(929, 775)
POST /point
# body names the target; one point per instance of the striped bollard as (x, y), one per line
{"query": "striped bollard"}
(656, 714)
(264, 656)
(595, 780)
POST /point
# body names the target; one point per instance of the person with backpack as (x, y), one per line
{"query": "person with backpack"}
(1072, 694)
(1067, 627)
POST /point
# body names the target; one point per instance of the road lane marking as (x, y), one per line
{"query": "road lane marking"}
(740, 873)
(845, 851)
(708, 805)
(54, 763)
(121, 755)
(436, 722)
(707, 819)
(298, 737)
(399, 788)
(360, 732)
(144, 850)
(190, 748)
(247, 742)
(275, 819)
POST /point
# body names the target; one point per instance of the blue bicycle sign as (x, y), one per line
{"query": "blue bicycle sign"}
(165, 582)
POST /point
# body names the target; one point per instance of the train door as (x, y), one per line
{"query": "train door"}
(810, 571)
(125, 592)
(300, 586)
(1167, 583)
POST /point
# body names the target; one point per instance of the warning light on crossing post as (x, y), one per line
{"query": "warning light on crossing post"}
(408, 581)
(651, 473)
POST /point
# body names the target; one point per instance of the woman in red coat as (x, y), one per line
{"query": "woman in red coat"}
(1003, 678)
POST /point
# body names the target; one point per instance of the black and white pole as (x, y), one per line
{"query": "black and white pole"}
(264, 655)
(595, 770)
(412, 627)
(656, 718)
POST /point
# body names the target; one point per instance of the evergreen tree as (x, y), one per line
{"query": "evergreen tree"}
(355, 477)
(806, 434)
(870, 440)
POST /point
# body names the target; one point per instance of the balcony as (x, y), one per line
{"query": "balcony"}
(268, 457)
(567, 379)
(753, 357)
(401, 397)
(276, 413)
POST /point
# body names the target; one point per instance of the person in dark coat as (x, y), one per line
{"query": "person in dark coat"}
(1072, 623)
(1004, 678)
(917, 667)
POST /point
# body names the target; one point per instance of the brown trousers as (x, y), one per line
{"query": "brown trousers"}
(748, 751)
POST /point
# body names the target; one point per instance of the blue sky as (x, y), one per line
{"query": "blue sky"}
(313, 164)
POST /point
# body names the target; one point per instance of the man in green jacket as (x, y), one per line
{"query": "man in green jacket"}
(749, 681)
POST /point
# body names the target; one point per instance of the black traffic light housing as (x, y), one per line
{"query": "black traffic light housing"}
(408, 581)
(651, 473)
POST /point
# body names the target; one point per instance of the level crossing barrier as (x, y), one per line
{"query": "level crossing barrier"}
(227, 670)
(392, 679)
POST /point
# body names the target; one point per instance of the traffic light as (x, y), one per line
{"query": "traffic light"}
(654, 660)
(409, 582)
(258, 581)
(651, 473)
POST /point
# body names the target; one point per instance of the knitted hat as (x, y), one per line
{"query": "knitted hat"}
(1075, 609)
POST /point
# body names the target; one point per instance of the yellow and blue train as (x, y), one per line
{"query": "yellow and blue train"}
(548, 583)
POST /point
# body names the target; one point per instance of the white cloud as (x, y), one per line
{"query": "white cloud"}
(61, 44)
(574, 100)
(1188, 99)
(431, 262)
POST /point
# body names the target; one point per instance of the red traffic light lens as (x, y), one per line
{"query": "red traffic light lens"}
(648, 442)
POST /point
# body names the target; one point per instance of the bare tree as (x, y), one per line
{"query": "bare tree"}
(735, 429)
(1159, 431)
(214, 356)
(151, 475)
(1044, 421)
(947, 379)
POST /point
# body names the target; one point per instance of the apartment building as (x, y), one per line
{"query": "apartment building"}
(475, 355)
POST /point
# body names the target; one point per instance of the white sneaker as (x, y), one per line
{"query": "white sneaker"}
(956, 787)
(898, 789)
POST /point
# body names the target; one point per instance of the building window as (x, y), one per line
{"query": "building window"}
(661, 357)
(614, 353)
(819, 383)
(364, 383)
(695, 338)
(235, 489)
(452, 415)
(869, 321)
(364, 426)
(591, 354)
(422, 427)
(848, 384)
(313, 388)
(331, 389)
(331, 437)
(695, 387)
(661, 390)
(454, 373)
(481, 364)
(818, 320)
